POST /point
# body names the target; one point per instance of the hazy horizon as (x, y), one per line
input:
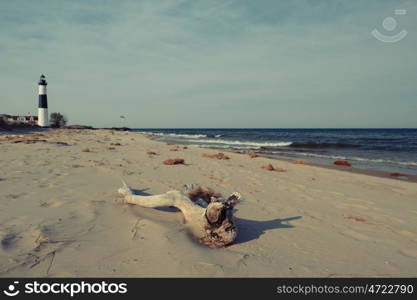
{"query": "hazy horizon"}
(211, 64)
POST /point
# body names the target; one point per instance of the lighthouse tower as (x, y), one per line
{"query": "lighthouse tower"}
(43, 103)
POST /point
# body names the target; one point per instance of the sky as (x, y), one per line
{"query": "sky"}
(211, 64)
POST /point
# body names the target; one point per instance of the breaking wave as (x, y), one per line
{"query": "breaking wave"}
(353, 158)
(181, 135)
(243, 144)
(315, 145)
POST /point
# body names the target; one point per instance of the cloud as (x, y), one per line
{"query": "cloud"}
(210, 63)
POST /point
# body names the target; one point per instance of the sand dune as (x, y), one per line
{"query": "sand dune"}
(60, 214)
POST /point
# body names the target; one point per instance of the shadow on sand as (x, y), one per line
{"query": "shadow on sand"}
(251, 230)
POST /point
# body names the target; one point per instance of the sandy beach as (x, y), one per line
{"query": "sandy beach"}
(61, 216)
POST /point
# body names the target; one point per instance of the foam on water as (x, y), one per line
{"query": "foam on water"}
(380, 149)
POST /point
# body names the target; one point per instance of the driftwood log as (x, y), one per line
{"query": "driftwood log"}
(209, 216)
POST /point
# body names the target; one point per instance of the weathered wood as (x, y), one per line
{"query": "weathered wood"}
(209, 216)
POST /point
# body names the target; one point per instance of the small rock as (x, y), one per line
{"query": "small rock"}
(342, 163)
(396, 174)
(299, 162)
(174, 161)
(219, 155)
(270, 167)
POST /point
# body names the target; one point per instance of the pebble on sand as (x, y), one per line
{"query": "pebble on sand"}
(270, 167)
(174, 161)
(219, 155)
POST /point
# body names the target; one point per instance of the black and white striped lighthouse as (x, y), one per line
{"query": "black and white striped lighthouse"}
(43, 103)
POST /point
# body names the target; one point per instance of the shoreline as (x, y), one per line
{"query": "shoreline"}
(364, 171)
(355, 170)
(58, 198)
(385, 152)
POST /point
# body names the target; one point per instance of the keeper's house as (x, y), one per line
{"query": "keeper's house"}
(33, 120)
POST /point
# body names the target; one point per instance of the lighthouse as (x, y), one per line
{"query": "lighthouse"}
(43, 103)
